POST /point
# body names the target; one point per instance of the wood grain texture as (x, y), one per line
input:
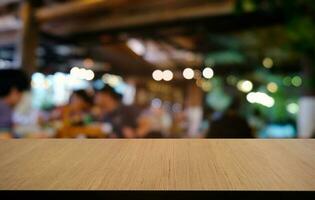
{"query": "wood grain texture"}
(161, 164)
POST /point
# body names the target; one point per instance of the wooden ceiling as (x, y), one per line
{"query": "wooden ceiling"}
(172, 32)
(97, 15)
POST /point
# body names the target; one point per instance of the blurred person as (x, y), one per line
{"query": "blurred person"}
(194, 120)
(194, 111)
(78, 117)
(157, 120)
(119, 120)
(13, 83)
(179, 124)
(230, 124)
(77, 112)
(208, 113)
(149, 119)
(26, 120)
(257, 122)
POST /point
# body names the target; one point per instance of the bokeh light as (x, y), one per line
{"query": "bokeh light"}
(167, 75)
(267, 63)
(245, 85)
(293, 108)
(207, 73)
(296, 81)
(272, 87)
(260, 98)
(157, 75)
(188, 73)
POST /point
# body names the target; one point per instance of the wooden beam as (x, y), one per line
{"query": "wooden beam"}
(74, 8)
(122, 57)
(78, 8)
(6, 2)
(26, 56)
(122, 21)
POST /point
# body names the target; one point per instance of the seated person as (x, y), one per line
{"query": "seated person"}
(77, 112)
(121, 121)
(230, 124)
(76, 117)
(12, 85)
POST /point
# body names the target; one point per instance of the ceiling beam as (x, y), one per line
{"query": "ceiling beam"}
(6, 2)
(74, 8)
(120, 21)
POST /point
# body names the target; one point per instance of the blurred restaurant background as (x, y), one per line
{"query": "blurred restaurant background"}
(161, 69)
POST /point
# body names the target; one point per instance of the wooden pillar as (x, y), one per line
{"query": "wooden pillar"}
(28, 39)
(195, 95)
(194, 110)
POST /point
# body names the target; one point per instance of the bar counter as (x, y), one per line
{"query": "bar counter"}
(157, 164)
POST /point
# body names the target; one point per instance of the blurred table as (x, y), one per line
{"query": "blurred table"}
(161, 164)
(77, 131)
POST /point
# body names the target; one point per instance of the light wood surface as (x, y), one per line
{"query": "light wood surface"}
(161, 164)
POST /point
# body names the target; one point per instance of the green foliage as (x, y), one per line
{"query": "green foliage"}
(218, 99)
(299, 27)
(226, 57)
(301, 32)
(299, 20)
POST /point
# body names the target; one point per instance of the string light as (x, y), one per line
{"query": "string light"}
(207, 73)
(157, 75)
(89, 75)
(167, 75)
(82, 73)
(188, 73)
(74, 71)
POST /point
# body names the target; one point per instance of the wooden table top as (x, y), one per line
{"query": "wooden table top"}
(160, 164)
